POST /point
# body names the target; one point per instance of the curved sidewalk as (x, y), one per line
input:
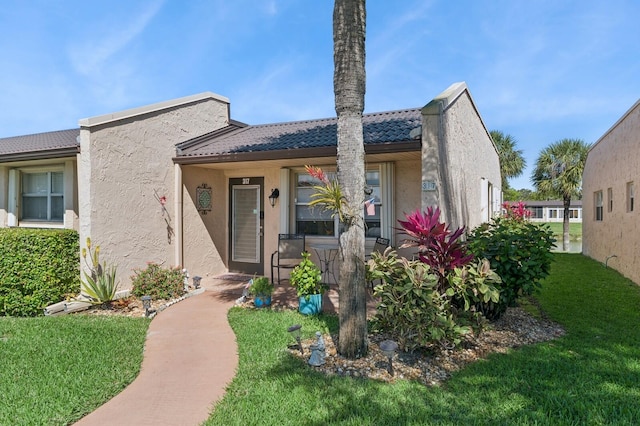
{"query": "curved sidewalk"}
(190, 357)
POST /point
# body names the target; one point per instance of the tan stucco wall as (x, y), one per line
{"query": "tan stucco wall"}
(407, 196)
(457, 155)
(206, 236)
(124, 164)
(612, 162)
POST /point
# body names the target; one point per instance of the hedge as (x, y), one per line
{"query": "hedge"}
(38, 267)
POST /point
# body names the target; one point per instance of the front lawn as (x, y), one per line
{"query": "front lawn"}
(575, 230)
(54, 370)
(590, 376)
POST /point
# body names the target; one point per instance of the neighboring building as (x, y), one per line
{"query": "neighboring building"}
(611, 175)
(181, 183)
(553, 211)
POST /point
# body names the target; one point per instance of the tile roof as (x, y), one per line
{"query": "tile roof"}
(60, 140)
(379, 128)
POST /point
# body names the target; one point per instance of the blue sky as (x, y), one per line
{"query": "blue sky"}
(539, 70)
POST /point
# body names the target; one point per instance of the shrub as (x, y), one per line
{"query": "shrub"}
(158, 282)
(437, 246)
(415, 311)
(100, 283)
(261, 286)
(38, 267)
(519, 251)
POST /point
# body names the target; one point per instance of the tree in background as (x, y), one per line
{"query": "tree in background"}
(349, 17)
(512, 162)
(558, 174)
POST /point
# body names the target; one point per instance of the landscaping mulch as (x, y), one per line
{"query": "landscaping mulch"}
(514, 329)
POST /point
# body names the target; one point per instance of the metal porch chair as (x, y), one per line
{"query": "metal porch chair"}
(289, 253)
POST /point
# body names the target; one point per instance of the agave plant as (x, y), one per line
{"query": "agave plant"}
(100, 282)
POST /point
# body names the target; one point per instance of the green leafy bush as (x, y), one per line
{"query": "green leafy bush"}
(306, 277)
(415, 308)
(158, 282)
(261, 286)
(38, 267)
(100, 283)
(519, 251)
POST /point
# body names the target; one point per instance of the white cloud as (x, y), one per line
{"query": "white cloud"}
(92, 56)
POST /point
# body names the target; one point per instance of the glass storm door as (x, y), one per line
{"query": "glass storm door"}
(246, 217)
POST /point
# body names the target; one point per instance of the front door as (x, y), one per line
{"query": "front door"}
(246, 220)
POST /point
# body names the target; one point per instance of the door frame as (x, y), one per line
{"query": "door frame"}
(239, 266)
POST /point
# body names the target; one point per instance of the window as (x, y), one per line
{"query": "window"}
(42, 196)
(573, 214)
(536, 212)
(315, 221)
(609, 200)
(553, 214)
(597, 198)
(630, 196)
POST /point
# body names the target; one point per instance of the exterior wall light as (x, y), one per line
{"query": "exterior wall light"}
(275, 193)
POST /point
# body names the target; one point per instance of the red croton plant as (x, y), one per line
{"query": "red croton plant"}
(437, 246)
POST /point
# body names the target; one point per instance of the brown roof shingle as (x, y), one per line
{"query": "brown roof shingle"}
(40, 145)
(379, 128)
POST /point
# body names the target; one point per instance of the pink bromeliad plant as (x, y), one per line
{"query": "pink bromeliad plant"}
(516, 211)
(438, 247)
(328, 194)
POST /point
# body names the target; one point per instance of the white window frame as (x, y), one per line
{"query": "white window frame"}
(630, 197)
(384, 204)
(16, 197)
(598, 207)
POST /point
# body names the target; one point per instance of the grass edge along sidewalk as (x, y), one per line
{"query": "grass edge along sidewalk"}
(590, 376)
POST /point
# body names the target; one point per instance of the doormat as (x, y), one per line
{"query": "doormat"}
(234, 277)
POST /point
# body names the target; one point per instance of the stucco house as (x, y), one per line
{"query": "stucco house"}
(610, 227)
(182, 183)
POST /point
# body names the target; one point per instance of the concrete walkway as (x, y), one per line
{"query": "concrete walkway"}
(190, 356)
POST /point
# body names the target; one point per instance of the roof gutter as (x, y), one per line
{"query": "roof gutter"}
(41, 155)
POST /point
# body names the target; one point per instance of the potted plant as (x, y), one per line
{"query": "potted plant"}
(261, 289)
(306, 278)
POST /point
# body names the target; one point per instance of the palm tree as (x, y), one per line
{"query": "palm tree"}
(349, 17)
(512, 162)
(558, 174)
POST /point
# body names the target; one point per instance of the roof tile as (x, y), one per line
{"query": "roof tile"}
(383, 127)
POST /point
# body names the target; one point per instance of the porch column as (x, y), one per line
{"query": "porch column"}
(177, 213)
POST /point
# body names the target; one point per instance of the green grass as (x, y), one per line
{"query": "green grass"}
(590, 376)
(575, 230)
(54, 370)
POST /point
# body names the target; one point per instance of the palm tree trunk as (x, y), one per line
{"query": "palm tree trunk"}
(349, 86)
(565, 224)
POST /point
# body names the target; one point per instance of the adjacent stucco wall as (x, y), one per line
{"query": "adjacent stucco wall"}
(458, 157)
(613, 162)
(126, 164)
